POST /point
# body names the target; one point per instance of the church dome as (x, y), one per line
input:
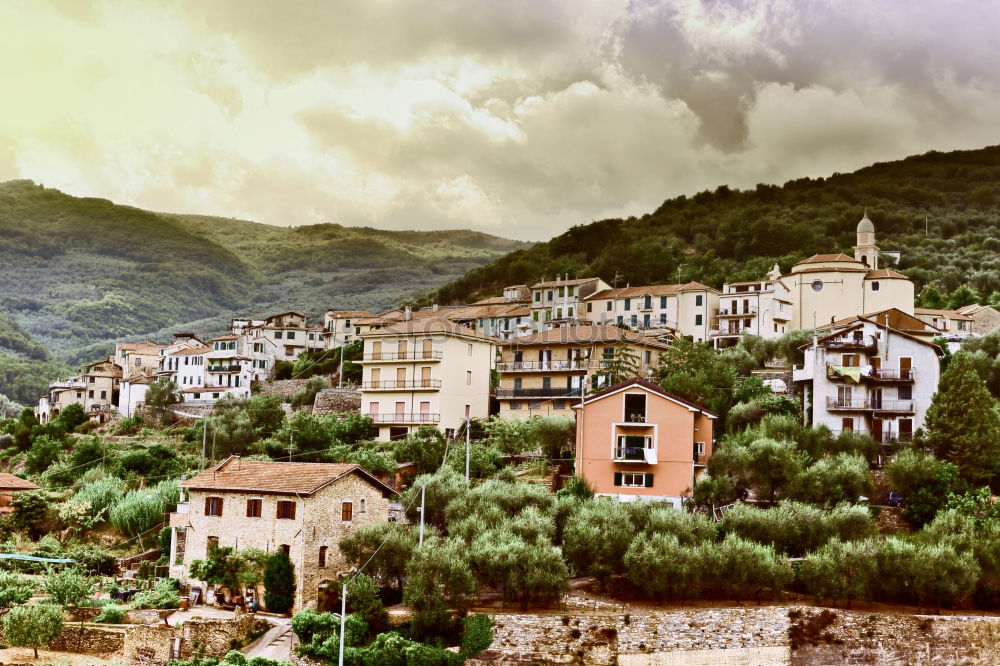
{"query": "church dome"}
(865, 225)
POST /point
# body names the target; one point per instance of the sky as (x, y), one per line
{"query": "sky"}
(514, 117)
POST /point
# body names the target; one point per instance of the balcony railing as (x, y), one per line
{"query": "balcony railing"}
(635, 417)
(394, 385)
(405, 417)
(846, 404)
(223, 368)
(873, 374)
(863, 404)
(863, 343)
(737, 312)
(415, 355)
(893, 406)
(630, 453)
(503, 394)
(551, 366)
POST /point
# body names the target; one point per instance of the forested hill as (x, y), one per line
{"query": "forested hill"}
(728, 235)
(76, 274)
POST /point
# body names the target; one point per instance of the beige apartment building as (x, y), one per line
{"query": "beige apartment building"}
(427, 371)
(951, 323)
(688, 310)
(548, 372)
(142, 358)
(305, 509)
(339, 326)
(560, 301)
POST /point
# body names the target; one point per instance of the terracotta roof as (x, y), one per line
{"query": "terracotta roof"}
(299, 478)
(824, 258)
(492, 300)
(192, 350)
(563, 283)
(437, 324)
(148, 347)
(225, 337)
(206, 389)
(950, 314)
(11, 482)
(582, 334)
(651, 386)
(696, 286)
(631, 292)
(282, 314)
(138, 379)
(502, 310)
(884, 274)
(973, 309)
(348, 314)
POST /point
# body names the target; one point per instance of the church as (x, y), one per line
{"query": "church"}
(829, 287)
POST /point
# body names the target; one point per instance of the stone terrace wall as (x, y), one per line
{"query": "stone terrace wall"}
(334, 400)
(283, 388)
(87, 639)
(750, 636)
(212, 638)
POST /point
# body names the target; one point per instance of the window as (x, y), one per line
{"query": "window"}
(91, 380)
(609, 304)
(346, 511)
(817, 285)
(277, 335)
(633, 480)
(285, 549)
(905, 392)
(137, 362)
(290, 335)
(558, 404)
(534, 404)
(698, 300)
(697, 320)
(699, 448)
(628, 304)
(647, 357)
(538, 296)
(663, 318)
(361, 506)
(286, 509)
(470, 349)
(548, 295)
(213, 506)
(663, 301)
(547, 383)
(468, 377)
(569, 311)
(254, 507)
(647, 302)
(590, 307)
(515, 405)
(322, 557)
(211, 543)
(875, 285)
(90, 393)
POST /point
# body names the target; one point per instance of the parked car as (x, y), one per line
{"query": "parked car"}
(893, 498)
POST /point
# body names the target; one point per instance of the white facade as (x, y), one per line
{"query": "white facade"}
(870, 378)
(762, 308)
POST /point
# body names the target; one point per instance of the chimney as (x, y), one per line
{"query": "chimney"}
(409, 314)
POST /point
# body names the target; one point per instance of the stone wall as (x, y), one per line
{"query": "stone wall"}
(89, 639)
(283, 388)
(213, 638)
(749, 636)
(329, 401)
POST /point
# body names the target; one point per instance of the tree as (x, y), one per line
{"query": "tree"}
(67, 587)
(425, 449)
(832, 480)
(963, 422)
(33, 626)
(43, 452)
(30, 510)
(597, 537)
(438, 578)
(231, 568)
(841, 571)
(384, 547)
(623, 364)
(279, 583)
(161, 396)
(440, 490)
(14, 589)
(693, 370)
(72, 416)
(660, 566)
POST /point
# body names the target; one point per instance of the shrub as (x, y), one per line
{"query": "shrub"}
(141, 510)
(795, 528)
(165, 594)
(33, 626)
(111, 614)
(477, 634)
(92, 503)
(660, 566)
(279, 583)
(831, 480)
(841, 571)
(67, 588)
(14, 589)
(746, 569)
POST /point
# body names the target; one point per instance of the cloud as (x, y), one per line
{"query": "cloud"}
(519, 117)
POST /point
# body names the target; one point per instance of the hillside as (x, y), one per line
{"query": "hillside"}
(76, 274)
(728, 235)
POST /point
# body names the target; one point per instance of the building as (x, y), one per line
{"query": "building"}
(138, 357)
(427, 371)
(636, 441)
(760, 307)
(102, 379)
(688, 310)
(558, 302)
(501, 321)
(985, 318)
(548, 372)
(951, 323)
(288, 332)
(829, 287)
(304, 509)
(10, 485)
(339, 329)
(874, 374)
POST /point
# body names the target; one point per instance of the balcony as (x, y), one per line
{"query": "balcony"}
(415, 355)
(224, 368)
(509, 393)
(876, 375)
(631, 454)
(737, 312)
(405, 418)
(865, 343)
(835, 404)
(406, 385)
(892, 406)
(550, 366)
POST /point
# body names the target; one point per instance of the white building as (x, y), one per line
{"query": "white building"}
(867, 374)
(688, 310)
(761, 307)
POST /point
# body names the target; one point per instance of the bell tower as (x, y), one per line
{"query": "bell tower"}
(865, 251)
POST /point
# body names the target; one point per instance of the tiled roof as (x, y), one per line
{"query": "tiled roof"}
(500, 310)
(651, 386)
(225, 337)
(143, 347)
(348, 314)
(583, 335)
(11, 482)
(950, 314)
(237, 474)
(192, 350)
(652, 290)
(824, 258)
(884, 274)
(438, 324)
(563, 283)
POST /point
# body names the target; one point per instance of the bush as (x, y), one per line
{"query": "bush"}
(67, 588)
(279, 583)
(924, 574)
(166, 594)
(794, 528)
(92, 503)
(14, 589)
(745, 569)
(841, 571)
(111, 614)
(831, 480)
(43, 452)
(141, 510)
(660, 566)
(477, 634)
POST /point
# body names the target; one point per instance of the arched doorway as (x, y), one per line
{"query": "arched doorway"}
(327, 596)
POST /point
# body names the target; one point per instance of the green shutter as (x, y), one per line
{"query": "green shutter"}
(618, 478)
(649, 480)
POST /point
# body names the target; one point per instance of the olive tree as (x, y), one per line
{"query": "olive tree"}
(33, 626)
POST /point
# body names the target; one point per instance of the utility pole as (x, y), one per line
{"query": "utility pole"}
(423, 491)
(468, 446)
(343, 620)
(204, 438)
(340, 374)
(291, 439)
(925, 226)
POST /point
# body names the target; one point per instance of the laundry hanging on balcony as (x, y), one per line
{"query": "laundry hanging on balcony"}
(851, 372)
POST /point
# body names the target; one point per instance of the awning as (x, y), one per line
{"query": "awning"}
(851, 372)
(32, 558)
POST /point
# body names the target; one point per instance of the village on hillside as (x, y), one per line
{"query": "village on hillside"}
(566, 455)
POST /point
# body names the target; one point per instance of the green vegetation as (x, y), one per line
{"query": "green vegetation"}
(32, 626)
(729, 235)
(279, 583)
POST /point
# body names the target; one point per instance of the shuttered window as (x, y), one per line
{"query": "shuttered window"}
(213, 506)
(254, 507)
(346, 511)
(286, 509)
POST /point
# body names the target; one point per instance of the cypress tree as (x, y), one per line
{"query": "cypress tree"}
(963, 424)
(279, 583)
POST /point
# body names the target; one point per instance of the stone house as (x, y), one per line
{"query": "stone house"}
(304, 509)
(952, 323)
(636, 441)
(985, 318)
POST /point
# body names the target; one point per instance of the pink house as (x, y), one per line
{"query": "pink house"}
(635, 440)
